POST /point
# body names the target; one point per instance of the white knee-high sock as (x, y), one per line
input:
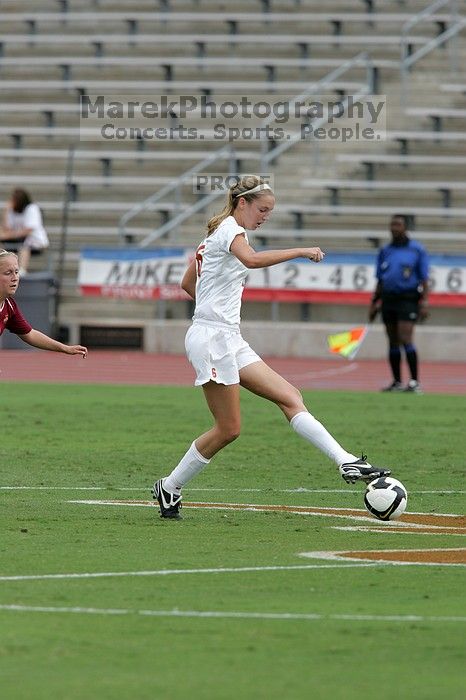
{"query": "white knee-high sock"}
(187, 468)
(310, 429)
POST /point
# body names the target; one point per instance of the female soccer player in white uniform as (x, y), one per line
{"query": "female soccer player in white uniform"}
(222, 360)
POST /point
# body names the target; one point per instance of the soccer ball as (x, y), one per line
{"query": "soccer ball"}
(386, 498)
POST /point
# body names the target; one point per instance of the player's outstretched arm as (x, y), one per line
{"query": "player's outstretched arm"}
(43, 342)
(265, 258)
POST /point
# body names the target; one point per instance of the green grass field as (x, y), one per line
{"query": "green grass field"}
(173, 626)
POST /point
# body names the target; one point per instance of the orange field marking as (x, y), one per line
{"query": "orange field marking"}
(431, 556)
(420, 523)
(446, 556)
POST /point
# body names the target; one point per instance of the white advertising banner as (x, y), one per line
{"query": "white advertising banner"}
(343, 278)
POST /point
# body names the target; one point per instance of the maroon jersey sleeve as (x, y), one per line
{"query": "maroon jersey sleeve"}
(12, 318)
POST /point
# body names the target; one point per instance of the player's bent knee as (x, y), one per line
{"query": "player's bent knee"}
(293, 401)
(229, 433)
(232, 435)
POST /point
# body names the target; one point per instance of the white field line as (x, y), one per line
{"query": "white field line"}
(385, 525)
(239, 615)
(250, 508)
(357, 493)
(340, 563)
(416, 530)
(145, 489)
(174, 572)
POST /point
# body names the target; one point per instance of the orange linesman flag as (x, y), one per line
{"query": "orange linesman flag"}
(347, 343)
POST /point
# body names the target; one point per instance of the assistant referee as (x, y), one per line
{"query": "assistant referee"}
(401, 294)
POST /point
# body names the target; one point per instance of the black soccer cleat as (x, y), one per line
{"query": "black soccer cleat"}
(393, 387)
(169, 503)
(361, 470)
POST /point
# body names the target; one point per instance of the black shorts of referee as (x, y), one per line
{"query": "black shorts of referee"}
(403, 306)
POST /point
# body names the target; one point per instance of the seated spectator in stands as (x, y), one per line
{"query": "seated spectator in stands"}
(23, 227)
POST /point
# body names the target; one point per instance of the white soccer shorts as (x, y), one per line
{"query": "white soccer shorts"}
(217, 353)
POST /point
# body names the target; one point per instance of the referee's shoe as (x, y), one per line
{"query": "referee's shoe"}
(169, 502)
(361, 470)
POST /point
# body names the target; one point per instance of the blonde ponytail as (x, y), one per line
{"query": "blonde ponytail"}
(217, 219)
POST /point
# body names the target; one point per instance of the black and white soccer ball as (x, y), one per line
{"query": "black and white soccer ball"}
(386, 498)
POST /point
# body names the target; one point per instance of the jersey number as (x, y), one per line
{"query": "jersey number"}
(199, 259)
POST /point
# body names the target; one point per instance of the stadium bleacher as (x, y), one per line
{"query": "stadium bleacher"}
(49, 58)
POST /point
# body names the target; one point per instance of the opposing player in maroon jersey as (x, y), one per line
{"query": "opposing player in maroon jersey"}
(13, 320)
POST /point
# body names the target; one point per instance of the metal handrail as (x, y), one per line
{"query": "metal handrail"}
(179, 218)
(426, 12)
(173, 189)
(438, 41)
(408, 58)
(267, 155)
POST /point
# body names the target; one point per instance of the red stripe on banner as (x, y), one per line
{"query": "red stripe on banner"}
(167, 291)
(124, 292)
(260, 294)
(337, 297)
(307, 295)
(458, 300)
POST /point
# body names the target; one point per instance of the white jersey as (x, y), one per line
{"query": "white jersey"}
(220, 276)
(31, 218)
